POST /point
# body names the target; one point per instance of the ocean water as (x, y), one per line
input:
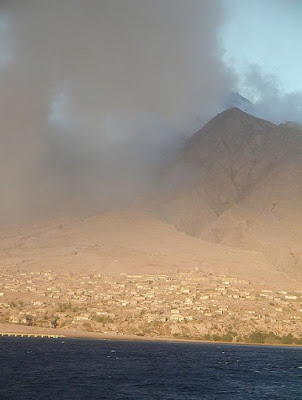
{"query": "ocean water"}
(32, 368)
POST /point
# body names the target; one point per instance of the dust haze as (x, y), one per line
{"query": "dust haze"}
(95, 95)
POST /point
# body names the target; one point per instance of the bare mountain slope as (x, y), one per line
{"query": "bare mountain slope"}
(128, 242)
(247, 188)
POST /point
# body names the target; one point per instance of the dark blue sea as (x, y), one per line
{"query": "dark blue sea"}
(90, 369)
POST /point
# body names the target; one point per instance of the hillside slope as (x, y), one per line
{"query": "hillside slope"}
(246, 189)
(125, 242)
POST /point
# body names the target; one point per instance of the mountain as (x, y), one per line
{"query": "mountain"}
(234, 99)
(245, 188)
(230, 204)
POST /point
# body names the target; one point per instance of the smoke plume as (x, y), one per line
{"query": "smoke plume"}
(94, 92)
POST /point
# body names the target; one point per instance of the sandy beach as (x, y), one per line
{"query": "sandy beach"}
(72, 333)
(77, 334)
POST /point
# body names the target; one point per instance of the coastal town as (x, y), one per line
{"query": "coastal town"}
(187, 305)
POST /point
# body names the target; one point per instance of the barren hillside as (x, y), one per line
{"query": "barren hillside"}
(246, 190)
(125, 242)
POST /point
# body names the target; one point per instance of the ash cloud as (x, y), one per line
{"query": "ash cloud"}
(269, 100)
(94, 93)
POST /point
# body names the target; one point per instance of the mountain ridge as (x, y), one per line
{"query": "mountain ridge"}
(243, 167)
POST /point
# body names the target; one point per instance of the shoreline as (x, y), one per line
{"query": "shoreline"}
(15, 329)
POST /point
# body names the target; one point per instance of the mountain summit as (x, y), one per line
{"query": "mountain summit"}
(234, 99)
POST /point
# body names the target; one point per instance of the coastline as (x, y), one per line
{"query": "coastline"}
(76, 334)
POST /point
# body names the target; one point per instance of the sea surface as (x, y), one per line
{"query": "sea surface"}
(33, 368)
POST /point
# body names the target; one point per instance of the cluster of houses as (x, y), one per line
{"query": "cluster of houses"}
(192, 303)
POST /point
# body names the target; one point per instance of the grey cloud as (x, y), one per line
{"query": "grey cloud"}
(270, 101)
(94, 92)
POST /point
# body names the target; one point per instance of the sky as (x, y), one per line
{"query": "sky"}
(268, 34)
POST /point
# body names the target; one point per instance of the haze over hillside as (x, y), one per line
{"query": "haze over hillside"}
(247, 188)
(236, 188)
